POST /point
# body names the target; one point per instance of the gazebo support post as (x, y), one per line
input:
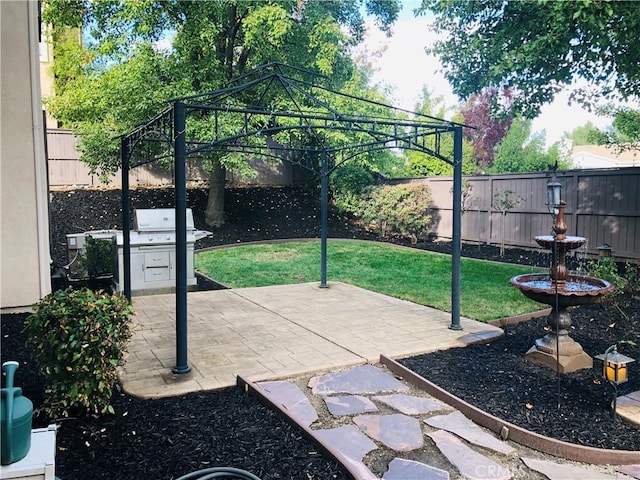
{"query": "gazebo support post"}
(324, 218)
(179, 127)
(456, 247)
(126, 218)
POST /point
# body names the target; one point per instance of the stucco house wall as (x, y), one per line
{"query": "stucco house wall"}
(24, 229)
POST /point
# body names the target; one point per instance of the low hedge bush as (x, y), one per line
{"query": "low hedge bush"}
(79, 339)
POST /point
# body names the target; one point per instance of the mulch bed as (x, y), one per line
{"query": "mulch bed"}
(573, 407)
(170, 437)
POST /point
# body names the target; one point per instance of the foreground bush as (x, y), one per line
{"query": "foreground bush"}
(79, 338)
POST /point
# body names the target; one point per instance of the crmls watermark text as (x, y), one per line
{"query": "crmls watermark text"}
(492, 471)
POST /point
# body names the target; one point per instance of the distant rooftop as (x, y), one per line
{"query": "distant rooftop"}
(602, 156)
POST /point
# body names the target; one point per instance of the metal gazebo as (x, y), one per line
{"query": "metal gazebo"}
(289, 114)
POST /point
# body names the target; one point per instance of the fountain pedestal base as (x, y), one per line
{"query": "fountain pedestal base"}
(572, 356)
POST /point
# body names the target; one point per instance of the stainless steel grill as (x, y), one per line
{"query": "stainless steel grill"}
(153, 250)
(153, 255)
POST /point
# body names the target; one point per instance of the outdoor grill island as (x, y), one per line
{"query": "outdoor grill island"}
(153, 251)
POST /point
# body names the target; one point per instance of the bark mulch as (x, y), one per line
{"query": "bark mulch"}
(170, 437)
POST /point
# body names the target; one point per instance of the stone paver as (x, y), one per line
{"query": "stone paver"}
(411, 405)
(481, 337)
(351, 446)
(398, 432)
(628, 408)
(349, 405)
(457, 423)
(560, 471)
(631, 470)
(363, 379)
(292, 398)
(402, 469)
(469, 463)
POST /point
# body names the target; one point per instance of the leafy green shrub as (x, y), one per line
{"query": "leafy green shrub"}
(79, 339)
(347, 185)
(632, 274)
(607, 269)
(401, 210)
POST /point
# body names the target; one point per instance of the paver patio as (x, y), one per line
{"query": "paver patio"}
(275, 332)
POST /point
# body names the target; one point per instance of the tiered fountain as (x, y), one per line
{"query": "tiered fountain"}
(560, 289)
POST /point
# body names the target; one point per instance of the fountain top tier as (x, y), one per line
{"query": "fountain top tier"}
(560, 243)
(567, 243)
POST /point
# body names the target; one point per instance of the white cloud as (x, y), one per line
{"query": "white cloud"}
(404, 65)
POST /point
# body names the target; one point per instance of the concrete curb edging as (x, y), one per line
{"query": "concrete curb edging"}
(525, 317)
(251, 388)
(513, 432)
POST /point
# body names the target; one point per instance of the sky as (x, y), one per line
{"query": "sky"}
(405, 66)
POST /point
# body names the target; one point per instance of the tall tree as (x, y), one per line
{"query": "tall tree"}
(422, 164)
(587, 134)
(483, 112)
(521, 152)
(124, 77)
(624, 131)
(534, 48)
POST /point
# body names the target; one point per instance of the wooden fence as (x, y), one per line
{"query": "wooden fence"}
(602, 205)
(66, 169)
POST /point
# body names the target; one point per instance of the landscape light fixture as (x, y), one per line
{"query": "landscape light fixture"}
(553, 193)
(604, 250)
(553, 196)
(615, 371)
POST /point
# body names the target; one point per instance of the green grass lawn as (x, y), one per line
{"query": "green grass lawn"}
(415, 275)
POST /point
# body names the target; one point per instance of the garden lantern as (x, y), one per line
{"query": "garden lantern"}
(604, 250)
(553, 194)
(615, 371)
(614, 365)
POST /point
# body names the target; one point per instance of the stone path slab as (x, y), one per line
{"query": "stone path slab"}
(349, 405)
(631, 470)
(457, 423)
(560, 471)
(351, 446)
(399, 432)
(362, 379)
(292, 398)
(628, 408)
(469, 463)
(402, 469)
(410, 405)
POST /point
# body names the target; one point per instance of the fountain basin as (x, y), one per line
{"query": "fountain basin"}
(567, 243)
(577, 290)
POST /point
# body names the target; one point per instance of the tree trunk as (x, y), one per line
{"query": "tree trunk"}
(504, 221)
(214, 215)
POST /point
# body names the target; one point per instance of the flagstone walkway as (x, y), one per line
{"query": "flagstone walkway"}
(381, 427)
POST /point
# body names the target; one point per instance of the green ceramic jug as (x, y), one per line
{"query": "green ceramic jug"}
(16, 413)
